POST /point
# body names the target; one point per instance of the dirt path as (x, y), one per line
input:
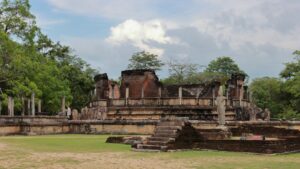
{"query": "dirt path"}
(91, 161)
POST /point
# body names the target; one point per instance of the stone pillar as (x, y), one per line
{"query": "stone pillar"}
(159, 92)
(23, 106)
(250, 97)
(126, 95)
(142, 95)
(241, 94)
(221, 107)
(213, 96)
(180, 95)
(40, 106)
(113, 91)
(32, 104)
(28, 106)
(63, 104)
(10, 106)
(0, 105)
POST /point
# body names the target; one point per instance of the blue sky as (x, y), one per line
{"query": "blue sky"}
(260, 35)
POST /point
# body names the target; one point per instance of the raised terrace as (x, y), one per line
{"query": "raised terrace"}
(141, 96)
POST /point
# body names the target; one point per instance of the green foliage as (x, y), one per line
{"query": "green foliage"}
(224, 65)
(281, 97)
(34, 63)
(188, 73)
(145, 60)
(266, 93)
(291, 87)
(181, 73)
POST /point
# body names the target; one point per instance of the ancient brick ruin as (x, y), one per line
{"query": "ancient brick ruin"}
(140, 95)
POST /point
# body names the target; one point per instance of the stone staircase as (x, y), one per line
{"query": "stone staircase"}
(169, 134)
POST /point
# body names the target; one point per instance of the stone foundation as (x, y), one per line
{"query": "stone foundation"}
(59, 125)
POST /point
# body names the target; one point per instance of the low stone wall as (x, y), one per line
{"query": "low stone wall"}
(10, 130)
(38, 125)
(113, 126)
(7, 120)
(276, 146)
(60, 125)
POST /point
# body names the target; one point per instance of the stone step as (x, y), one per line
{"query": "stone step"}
(161, 139)
(167, 135)
(171, 123)
(168, 127)
(165, 132)
(209, 130)
(148, 146)
(161, 143)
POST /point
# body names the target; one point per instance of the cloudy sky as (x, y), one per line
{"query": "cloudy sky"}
(260, 35)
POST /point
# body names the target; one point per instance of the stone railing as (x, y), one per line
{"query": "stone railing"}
(201, 102)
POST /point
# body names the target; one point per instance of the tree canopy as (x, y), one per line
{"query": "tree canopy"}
(224, 65)
(145, 60)
(31, 62)
(281, 96)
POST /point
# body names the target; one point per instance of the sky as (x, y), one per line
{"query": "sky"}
(260, 35)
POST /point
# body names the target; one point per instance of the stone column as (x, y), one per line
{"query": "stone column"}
(32, 104)
(180, 95)
(28, 106)
(213, 96)
(113, 91)
(142, 95)
(23, 106)
(159, 95)
(63, 104)
(10, 106)
(221, 107)
(250, 97)
(241, 94)
(0, 105)
(159, 92)
(40, 106)
(126, 95)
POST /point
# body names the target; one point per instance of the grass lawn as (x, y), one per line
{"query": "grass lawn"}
(91, 151)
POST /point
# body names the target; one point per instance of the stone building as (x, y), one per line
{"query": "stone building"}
(142, 96)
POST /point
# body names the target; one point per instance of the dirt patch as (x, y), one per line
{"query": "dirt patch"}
(3, 146)
(107, 160)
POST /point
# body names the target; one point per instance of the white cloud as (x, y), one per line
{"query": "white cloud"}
(141, 34)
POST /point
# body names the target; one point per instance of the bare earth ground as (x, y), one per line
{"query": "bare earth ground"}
(17, 152)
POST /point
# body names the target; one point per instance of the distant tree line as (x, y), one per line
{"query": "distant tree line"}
(31, 62)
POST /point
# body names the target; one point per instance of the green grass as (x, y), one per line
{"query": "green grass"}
(22, 147)
(65, 143)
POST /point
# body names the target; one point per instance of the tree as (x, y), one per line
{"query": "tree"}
(16, 19)
(224, 65)
(291, 86)
(181, 73)
(188, 73)
(145, 60)
(31, 62)
(266, 93)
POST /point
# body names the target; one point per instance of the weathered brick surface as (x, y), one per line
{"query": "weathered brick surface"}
(138, 79)
(102, 88)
